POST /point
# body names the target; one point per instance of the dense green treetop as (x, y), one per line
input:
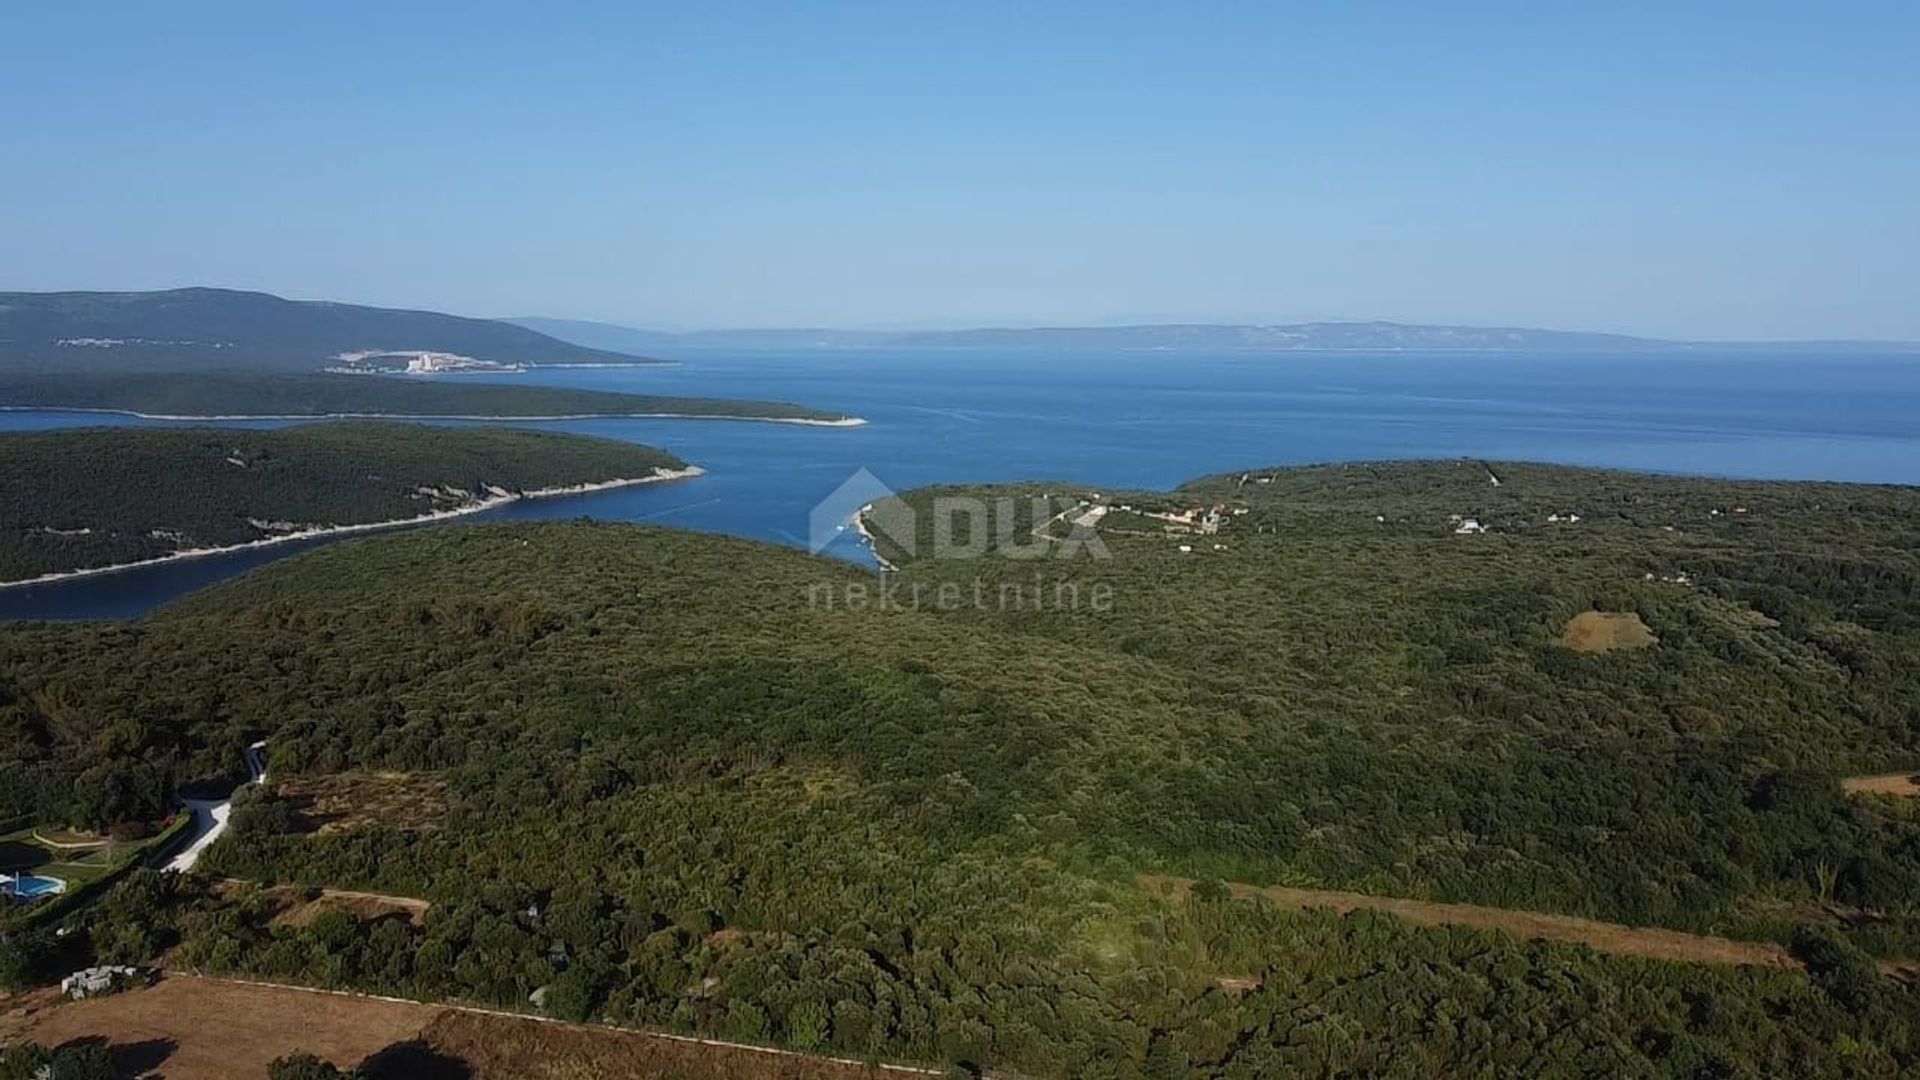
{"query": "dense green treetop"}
(710, 783)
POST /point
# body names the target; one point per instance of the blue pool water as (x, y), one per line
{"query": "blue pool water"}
(33, 886)
(1155, 419)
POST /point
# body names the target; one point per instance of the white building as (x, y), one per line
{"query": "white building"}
(94, 981)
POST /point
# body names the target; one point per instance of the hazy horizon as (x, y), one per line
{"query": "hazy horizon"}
(1722, 172)
(957, 325)
(950, 325)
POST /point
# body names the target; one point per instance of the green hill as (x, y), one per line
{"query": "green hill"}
(72, 500)
(197, 329)
(700, 782)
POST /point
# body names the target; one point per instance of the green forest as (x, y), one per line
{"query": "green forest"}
(713, 785)
(193, 395)
(83, 498)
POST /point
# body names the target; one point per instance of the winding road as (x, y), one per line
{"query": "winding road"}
(210, 816)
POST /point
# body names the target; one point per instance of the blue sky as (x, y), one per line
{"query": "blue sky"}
(1697, 169)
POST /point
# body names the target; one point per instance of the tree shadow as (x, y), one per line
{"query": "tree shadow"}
(128, 1058)
(414, 1060)
(18, 855)
(140, 1058)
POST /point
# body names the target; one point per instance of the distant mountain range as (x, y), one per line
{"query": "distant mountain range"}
(205, 329)
(1291, 337)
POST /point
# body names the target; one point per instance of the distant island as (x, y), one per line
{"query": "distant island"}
(1288, 337)
(227, 329)
(83, 500)
(235, 396)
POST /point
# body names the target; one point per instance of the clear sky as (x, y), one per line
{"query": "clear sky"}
(1683, 168)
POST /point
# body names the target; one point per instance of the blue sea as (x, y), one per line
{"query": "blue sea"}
(1155, 419)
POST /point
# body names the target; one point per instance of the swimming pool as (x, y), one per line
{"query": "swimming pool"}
(30, 886)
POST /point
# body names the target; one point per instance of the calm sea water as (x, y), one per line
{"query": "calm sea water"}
(1155, 419)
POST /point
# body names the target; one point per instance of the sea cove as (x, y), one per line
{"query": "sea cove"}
(1153, 419)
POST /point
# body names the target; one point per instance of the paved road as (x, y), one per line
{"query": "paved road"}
(210, 815)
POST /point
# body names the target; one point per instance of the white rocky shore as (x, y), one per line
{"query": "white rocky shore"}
(497, 497)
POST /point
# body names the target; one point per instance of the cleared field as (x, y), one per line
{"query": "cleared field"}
(300, 911)
(1649, 942)
(496, 1048)
(191, 1028)
(1605, 631)
(1901, 783)
(340, 801)
(199, 1029)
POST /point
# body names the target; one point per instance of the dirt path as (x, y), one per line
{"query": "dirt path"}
(1649, 942)
(69, 845)
(1900, 783)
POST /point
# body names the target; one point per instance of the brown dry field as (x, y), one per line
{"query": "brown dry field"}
(190, 1028)
(198, 1029)
(497, 1047)
(340, 801)
(1649, 942)
(1900, 783)
(1604, 631)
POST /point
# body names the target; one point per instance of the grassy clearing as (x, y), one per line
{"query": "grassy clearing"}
(1647, 942)
(24, 851)
(362, 907)
(336, 802)
(1903, 784)
(1606, 631)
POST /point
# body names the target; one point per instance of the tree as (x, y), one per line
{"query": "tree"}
(24, 1061)
(89, 1060)
(1165, 1059)
(1838, 967)
(304, 1066)
(26, 957)
(120, 789)
(807, 1025)
(744, 1021)
(258, 812)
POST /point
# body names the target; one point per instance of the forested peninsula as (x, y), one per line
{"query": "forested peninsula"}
(1086, 796)
(84, 499)
(240, 395)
